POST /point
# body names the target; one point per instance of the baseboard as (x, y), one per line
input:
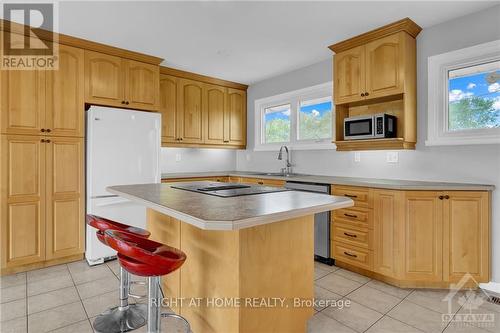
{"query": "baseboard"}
(491, 288)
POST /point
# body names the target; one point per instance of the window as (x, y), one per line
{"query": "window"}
(302, 119)
(474, 97)
(464, 96)
(277, 124)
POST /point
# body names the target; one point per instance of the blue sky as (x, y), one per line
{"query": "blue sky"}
(474, 85)
(318, 109)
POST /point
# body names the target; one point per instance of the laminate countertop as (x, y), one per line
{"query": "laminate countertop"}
(394, 184)
(210, 212)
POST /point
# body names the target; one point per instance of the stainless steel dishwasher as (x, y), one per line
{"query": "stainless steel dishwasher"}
(321, 221)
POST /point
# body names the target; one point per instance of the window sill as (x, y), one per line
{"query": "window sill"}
(312, 146)
(463, 141)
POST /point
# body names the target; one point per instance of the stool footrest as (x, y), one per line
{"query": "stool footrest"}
(176, 316)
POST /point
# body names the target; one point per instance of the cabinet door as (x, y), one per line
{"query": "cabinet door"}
(65, 197)
(190, 111)
(349, 73)
(384, 66)
(236, 111)
(104, 79)
(388, 210)
(423, 236)
(215, 100)
(168, 108)
(142, 82)
(65, 90)
(22, 200)
(466, 235)
(22, 101)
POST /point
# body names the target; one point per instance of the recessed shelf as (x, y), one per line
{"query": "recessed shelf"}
(374, 144)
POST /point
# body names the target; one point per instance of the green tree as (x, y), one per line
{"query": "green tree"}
(472, 113)
(277, 130)
(315, 127)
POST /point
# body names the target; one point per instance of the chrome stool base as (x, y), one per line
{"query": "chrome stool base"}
(118, 320)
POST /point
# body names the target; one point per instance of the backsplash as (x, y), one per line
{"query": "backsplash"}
(197, 160)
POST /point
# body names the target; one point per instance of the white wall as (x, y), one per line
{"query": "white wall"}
(477, 164)
(197, 160)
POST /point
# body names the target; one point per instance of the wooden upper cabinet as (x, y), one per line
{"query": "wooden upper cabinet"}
(65, 199)
(65, 94)
(384, 66)
(190, 111)
(142, 82)
(215, 123)
(236, 117)
(168, 108)
(349, 72)
(22, 200)
(115, 81)
(104, 79)
(22, 101)
(423, 236)
(466, 242)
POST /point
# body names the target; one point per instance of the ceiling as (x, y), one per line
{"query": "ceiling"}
(243, 41)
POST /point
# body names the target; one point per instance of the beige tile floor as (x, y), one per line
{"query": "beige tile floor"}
(66, 298)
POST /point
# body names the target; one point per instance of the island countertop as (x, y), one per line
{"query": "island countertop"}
(209, 212)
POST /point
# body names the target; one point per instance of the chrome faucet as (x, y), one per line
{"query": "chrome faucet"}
(285, 171)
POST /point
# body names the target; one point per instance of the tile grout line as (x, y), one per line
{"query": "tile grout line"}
(385, 314)
(26, 284)
(78, 293)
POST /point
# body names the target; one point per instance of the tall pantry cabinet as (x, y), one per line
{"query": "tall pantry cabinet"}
(42, 166)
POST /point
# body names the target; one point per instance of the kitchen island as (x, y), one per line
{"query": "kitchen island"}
(249, 264)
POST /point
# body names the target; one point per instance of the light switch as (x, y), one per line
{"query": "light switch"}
(357, 157)
(392, 157)
(178, 157)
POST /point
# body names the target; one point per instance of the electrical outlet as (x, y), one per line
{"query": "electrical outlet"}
(357, 157)
(178, 157)
(392, 157)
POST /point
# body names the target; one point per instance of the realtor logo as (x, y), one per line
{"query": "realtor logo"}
(28, 41)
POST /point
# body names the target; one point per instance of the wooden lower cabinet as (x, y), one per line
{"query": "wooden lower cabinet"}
(466, 230)
(42, 200)
(260, 181)
(419, 238)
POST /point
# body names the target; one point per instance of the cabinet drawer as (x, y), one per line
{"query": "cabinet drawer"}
(360, 195)
(352, 255)
(359, 217)
(354, 236)
(260, 181)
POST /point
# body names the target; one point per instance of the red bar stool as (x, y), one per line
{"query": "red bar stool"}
(125, 317)
(144, 257)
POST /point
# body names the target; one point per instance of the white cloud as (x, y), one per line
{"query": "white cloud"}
(315, 113)
(457, 95)
(496, 103)
(286, 112)
(471, 85)
(494, 87)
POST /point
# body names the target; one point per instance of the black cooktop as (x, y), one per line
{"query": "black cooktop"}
(227, 190)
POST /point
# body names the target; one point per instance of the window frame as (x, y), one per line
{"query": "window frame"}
(438, 68)
(293, 98)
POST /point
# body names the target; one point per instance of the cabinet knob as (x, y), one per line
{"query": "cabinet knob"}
(447, 197)
(48, 130)
(48, 141)
(226, 141)
(362, 95)
(441, 197)
(42, 141)
(126, 103)
(180, 139)
(366, 94)
(123, 102)
(42, 130)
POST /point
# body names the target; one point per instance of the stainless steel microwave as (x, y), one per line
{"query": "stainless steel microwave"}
(376, 126)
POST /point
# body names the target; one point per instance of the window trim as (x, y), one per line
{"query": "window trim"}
(437, 117)
(293, 98)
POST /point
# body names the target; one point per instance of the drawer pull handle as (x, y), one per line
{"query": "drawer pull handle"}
(350, 235)
(351, 215)
(350, 195)
(350, 254)
(261, 183)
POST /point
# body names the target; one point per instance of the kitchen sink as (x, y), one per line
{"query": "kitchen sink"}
(276, 174)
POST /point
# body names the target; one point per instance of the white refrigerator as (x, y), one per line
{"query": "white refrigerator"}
(123, 147)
